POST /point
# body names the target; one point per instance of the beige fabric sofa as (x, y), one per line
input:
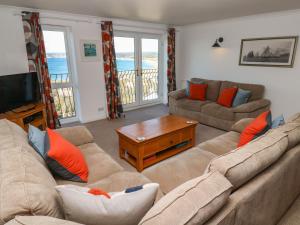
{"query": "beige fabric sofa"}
(264, 175)
(27, 186)
(210, 113)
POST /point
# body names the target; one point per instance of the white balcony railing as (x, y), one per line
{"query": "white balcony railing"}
(62, 92)
(127, 79)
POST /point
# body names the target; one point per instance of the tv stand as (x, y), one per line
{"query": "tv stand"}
(34, 114)
(24, 108)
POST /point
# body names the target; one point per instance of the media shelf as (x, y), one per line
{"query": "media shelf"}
(34, 114)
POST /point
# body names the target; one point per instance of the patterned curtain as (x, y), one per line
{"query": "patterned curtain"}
(171, 60)
(114, 104)
(38, 62)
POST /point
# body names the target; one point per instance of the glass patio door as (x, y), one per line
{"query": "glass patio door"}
(138, 65)
(60, 70)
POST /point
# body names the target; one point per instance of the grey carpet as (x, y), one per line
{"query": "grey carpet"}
(107, 139)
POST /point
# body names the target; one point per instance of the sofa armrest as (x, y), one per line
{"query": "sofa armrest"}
(178, 94)
(39, 220)
(252, 106)
(241, 125)
(77, 135)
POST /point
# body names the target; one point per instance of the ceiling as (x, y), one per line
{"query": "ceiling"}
(173, 12)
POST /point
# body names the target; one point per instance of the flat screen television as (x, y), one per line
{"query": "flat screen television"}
(18, 90)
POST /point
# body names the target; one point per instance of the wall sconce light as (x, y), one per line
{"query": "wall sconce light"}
(218, 42)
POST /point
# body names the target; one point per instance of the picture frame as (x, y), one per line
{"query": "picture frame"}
(268, 51)
(90, 50)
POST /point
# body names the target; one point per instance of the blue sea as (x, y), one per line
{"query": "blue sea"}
(60, 66)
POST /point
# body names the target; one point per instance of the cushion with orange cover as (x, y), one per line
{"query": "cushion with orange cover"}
(198, 91)
(227, 96)
(256, 128)
(64, 159)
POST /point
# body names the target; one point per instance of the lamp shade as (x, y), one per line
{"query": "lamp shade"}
(216, 44)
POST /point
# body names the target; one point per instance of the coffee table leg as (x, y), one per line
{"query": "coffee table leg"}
(121, 152)
(140, 160)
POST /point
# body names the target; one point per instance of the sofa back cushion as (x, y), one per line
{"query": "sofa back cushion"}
(193, 202)
(240, 165)
(292, 129)
(257, 90)
(212, 89)
(27, 186)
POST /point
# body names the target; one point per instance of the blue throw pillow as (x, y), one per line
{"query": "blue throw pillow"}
(36, 139)
(187, 90)
(278, 121)
(241, 97)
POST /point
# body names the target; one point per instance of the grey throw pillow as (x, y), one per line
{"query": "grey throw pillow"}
(242, 97)
(36, 139)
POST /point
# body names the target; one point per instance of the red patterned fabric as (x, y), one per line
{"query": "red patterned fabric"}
(171, 60)
(114, 104)
(37, 62)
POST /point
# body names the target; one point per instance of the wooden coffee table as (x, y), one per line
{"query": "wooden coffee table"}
(146, 143)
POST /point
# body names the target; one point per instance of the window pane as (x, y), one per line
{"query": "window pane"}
(56, 52)
(150, 69)
(124, 47)
(149, 53)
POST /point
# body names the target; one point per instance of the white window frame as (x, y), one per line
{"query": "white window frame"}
(70, 54)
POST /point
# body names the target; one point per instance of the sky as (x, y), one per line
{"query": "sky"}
(124, 44)
(54, 42)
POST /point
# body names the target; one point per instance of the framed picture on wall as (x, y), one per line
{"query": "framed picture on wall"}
(271, 51)
(89, 50)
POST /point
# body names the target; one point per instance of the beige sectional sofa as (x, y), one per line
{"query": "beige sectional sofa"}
(210, 113)
(262, 179)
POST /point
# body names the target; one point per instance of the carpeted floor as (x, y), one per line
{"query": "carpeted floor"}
(106, 137)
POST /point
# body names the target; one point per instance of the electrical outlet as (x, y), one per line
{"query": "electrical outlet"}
(100, 109)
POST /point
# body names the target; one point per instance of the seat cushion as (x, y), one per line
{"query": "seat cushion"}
(174, 171)
(240, 165)
(212, 90)
(192, 105)
(193, 202)
(218, 111)
(221, 144)
(100, 164)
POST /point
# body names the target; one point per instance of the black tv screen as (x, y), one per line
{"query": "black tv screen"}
(18, 90)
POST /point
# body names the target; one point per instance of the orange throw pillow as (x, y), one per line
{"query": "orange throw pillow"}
(227, 96)
(198, 91)
(64, 159)
(258, 127)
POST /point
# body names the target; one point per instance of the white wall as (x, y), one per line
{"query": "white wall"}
(13, 54)
(198, 59)
(89, 76)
